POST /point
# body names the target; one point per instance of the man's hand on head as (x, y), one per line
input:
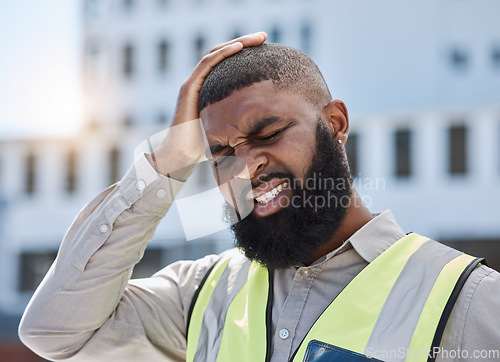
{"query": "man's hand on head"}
(183, 148)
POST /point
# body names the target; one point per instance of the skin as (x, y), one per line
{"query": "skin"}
(184, 145)
(286, 143)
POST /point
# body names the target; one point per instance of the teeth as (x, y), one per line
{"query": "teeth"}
(264, 199)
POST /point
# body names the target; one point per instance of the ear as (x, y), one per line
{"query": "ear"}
(337, 119)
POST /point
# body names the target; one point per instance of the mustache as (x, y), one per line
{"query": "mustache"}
(263, 178)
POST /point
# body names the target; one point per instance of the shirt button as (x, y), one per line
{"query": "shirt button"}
(161, 194)
(284, 333)
(305, 272)
(140, 185)
(103, 228)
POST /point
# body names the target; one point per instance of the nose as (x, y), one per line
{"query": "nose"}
(251, 162)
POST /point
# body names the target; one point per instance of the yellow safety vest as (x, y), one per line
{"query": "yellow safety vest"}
(395, 309)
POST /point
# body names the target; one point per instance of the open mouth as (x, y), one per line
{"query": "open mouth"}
(268, 196)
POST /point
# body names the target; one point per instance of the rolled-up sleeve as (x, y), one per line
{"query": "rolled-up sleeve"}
(87, 309)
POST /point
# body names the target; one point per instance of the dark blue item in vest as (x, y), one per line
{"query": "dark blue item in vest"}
(323, 352)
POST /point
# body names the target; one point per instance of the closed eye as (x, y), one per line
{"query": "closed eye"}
(270, 137)
(274, 135)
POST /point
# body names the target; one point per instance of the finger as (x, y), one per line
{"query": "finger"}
(210, 60)
(223, 51)
(247, 41)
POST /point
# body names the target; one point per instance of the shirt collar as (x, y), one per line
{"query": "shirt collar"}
(371, 240)
(376, 236)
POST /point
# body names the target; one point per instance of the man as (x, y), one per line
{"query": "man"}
(320, 274)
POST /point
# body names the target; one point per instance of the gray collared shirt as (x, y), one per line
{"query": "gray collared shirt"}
(87, 309)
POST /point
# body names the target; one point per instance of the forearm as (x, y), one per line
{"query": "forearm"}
(94, 263)
(83, 293)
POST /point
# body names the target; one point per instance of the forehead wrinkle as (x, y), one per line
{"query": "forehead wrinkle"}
(243, 114)
(220, 144)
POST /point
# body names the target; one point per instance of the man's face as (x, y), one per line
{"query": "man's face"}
(270, 131)
(284, 144)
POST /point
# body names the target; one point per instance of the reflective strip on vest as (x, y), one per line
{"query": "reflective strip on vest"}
(197, 317)
(230, 311)
(245, 326)
(392, 305)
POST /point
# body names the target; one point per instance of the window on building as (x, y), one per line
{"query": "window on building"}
(163, 56)
(495, 57)
(305, 38)
(128, 60)
(199, 48)
(275, 35)
(128, 121)
(94, 9)
(459, 58)
(93, 57)
(402, 154)
(71, 171)
(32, 268)
(162, 4)
(114, 165)
(150, 263)
(162, 118)
(2, 179)
(457, 150)
(30, 173)
(3, 193)
(128, 5)
(95, 64)
(352, 150)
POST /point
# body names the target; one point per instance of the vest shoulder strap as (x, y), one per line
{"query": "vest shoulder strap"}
(450, 304)
(224, 256)
(196, 293)
(213, 300)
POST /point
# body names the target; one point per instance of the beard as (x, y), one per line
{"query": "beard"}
(315, 212)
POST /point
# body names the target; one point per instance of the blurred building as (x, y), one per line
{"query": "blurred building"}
(421, 81)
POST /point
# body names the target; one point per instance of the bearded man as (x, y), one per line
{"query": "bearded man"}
(316, 276)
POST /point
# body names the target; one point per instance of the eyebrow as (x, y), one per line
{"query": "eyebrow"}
(256, 128)
(262, 124)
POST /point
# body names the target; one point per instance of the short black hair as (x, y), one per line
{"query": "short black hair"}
(286, 67)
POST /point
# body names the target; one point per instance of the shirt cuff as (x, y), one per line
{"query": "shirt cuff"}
(147, 189)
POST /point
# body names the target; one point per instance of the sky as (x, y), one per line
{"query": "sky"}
(39, 68)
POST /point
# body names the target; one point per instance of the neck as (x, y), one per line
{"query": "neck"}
(356, 217)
